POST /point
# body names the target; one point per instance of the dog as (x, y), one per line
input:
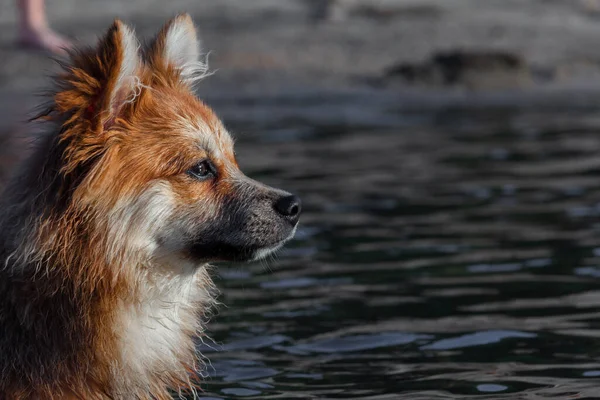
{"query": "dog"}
(110, 225)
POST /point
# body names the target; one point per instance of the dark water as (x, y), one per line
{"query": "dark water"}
(451, 255)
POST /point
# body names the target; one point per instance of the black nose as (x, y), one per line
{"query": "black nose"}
(289, 207)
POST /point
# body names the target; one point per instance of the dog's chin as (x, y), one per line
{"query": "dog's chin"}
(215, 252)
(264, 252)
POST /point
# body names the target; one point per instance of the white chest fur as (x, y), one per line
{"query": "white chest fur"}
(156, 331)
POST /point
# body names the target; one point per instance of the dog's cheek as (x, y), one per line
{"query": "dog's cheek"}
(136, 223)
(196, 209)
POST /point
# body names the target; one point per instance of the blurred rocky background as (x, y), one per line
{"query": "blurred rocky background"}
(275, 47)
(344, 61)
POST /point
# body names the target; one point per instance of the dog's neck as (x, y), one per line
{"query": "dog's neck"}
(156, 330)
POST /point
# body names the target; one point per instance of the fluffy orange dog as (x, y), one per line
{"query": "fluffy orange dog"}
(108, 227)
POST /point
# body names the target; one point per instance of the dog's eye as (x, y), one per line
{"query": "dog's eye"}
(202, 170)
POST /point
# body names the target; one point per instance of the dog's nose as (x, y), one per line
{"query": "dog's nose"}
(289, 207)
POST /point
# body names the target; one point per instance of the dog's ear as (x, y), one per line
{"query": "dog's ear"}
(118, 55)
(100, 81)
(94, 90)
(177, 47)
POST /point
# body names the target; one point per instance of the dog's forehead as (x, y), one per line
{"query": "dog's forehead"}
(186, 115)
(206, 130)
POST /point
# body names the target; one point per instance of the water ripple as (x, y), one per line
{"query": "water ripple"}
(448, 255)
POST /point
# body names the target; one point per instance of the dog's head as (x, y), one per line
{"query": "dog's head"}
(157, 168)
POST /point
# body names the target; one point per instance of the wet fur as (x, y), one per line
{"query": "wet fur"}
(104, 285)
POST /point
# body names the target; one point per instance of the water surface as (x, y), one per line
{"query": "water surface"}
(448, 255)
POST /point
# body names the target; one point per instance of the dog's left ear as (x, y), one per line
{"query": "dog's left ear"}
(177, 46)
(100, 81)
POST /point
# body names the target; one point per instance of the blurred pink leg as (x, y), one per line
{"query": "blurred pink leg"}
(34, 30)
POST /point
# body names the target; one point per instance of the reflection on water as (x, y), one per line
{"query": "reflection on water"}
(457, 256)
